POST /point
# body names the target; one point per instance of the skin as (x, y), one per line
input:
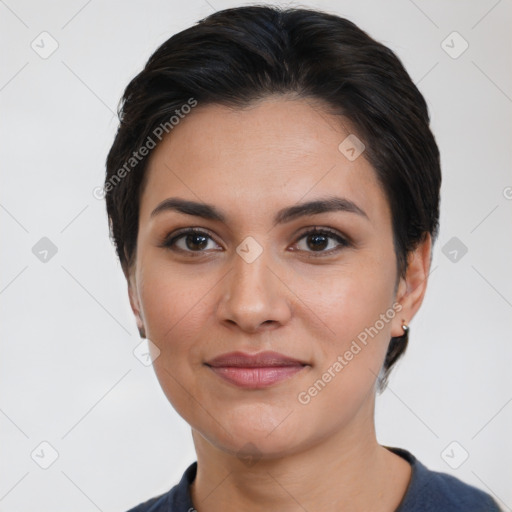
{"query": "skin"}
(304, 302)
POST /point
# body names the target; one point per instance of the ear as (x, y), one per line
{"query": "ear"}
(133, 295)
(412, 287)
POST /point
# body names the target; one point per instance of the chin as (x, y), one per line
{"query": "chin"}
(243, 445)
(271, 435)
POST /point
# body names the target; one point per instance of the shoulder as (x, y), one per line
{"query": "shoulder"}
(157, 504)
(178, 499)
(433, 491)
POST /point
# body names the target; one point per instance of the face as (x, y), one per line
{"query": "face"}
(263, 272)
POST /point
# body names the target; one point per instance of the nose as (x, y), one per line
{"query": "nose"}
(254, 295)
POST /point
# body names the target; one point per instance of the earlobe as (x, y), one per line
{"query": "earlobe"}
(412, 287)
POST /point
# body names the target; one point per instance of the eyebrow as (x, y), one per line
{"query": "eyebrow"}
(206, 211)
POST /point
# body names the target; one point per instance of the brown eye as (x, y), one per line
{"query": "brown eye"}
(195, 241)
(317, 241)
(321, 241)
(189, 241)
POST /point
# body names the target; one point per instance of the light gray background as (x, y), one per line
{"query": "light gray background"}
(68, 373)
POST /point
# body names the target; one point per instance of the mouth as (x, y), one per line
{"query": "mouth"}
(255, 371)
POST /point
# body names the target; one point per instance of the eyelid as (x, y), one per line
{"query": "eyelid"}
(343, 241)
(321, 229)
(169, 240)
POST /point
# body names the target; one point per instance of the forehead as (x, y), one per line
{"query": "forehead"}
(276, 152)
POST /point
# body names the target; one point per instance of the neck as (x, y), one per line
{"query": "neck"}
(347, 471)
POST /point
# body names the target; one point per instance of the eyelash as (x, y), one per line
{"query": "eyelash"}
(170, 241)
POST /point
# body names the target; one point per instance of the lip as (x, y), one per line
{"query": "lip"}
(255, 371)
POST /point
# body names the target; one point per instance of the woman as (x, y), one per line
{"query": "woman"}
(273, 194)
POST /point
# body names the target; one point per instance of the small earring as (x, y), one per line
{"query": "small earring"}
(142, 332)
(405, 328)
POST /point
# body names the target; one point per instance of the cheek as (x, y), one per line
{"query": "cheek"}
(174, 310)
(354, 296)
(357, 307)
(174, 307)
